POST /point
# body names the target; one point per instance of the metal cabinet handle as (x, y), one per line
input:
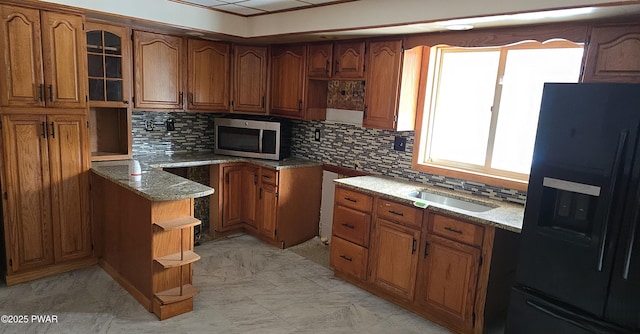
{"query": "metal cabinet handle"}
(191, 98)
(426, 249)
(413, 246)
(396, 213)
(51, 93)
(349, 226)
(346, 258)
(44, 129)
(337, 67)
(350, 199)
(53, 130)
(41, 92)
(299, 105)
(451, 229)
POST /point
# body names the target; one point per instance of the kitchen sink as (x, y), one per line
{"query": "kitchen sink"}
(472, 206)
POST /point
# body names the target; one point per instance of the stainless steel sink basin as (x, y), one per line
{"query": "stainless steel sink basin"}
(451, 201)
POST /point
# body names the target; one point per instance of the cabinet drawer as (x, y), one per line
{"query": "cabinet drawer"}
(269, 176)
(348, 258)
(353, 199)
(351, 225)
(399, 213)
(456, 230)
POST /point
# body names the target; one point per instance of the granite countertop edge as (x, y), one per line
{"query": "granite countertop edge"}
(158, 185)
(505, 215)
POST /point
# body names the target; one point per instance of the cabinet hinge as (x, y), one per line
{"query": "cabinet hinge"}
(87, 124)
(232, 103)
(86, 98)
(10, 262)
(275, 232)
(277, 194)
(473, 318)
(402, 48)
(133, 99)
(83, 27)
(132, 37)
(395, 118)
(5, 195)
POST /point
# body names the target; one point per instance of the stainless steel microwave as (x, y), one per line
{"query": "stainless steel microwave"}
(263, 139)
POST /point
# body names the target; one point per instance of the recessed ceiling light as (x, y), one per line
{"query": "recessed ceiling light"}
(459, 27)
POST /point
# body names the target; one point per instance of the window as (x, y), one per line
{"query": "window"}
(481, 107)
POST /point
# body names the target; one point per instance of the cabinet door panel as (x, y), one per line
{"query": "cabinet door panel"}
(158, 71)
(288, 80)
(395, 260)
(320, 60)
(21, 59)
(208, 76)
(69, 187)
(63, 47)
(250, 194)
(250, 79)
(233, 196)
(612, 54)
(447, 281)
(268, 210)
(383, 81)
(27, 177)
(349, 62)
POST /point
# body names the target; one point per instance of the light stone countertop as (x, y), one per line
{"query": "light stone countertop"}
(158, 185)
(505, 215)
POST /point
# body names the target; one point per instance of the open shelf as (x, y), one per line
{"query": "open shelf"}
(173, 295)
(173, 260)
(178, 223)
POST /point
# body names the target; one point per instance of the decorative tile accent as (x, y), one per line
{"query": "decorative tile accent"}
(345, 95)
(371, 150)
(193, 132)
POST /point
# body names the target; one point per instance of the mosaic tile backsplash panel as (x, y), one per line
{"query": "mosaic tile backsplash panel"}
(371, 150)
(193, 132)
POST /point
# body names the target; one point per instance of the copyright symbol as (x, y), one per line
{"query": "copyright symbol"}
(4, 318)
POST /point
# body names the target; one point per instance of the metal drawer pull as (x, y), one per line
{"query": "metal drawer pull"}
(348, 226)
(346, 258)
(426, 249)
(351, 200)
(396, 213)
(450, 229)
(266, 176)
(413, 246)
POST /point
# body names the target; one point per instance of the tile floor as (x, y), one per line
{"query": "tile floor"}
(245, 286)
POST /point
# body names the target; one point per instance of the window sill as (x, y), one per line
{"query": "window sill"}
(462, 174)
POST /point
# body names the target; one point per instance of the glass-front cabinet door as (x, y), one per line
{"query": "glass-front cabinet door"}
(107, 59)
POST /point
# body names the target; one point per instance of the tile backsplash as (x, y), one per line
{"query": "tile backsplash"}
(352, 146)
(371, 150)
(193, 132)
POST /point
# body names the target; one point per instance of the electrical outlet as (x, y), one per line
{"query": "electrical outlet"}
(399, 143)
(171, 124)
(316, 135)
(148, 125)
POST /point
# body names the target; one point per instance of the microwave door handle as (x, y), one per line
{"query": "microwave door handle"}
(260, 140)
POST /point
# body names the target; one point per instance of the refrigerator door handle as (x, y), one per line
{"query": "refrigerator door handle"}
(622, 139)
(632, 241)
(570, 317)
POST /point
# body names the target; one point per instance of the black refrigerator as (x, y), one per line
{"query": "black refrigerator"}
(579, 265)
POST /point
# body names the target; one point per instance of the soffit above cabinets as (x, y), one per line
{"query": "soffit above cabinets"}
(258, 7)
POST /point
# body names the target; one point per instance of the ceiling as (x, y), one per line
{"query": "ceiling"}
(258, 7)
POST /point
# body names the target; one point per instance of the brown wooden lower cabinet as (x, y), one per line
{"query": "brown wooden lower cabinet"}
(430, 263)
(282, 207)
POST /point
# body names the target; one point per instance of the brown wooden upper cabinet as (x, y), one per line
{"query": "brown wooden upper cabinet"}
(340, 60)
(158, 72)
(288, 79)
(612, 54)
(249, 79)
(208, 75)
(392, 76)
(43, 62)
(108, 60)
